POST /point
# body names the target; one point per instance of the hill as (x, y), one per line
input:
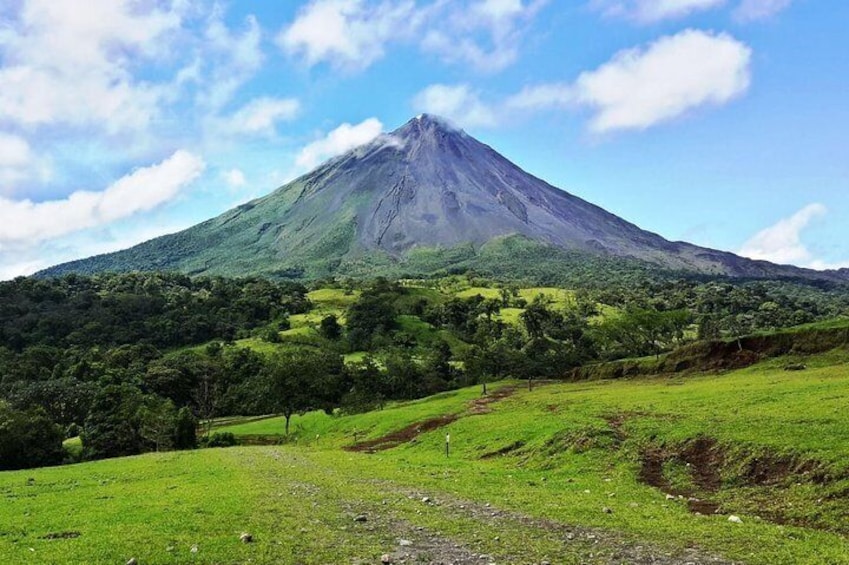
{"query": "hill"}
(620, 471)
(423, 199)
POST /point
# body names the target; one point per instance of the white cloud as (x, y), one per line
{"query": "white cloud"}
(23, 268)
(26, 222)
(458, 103)
(16, 160)
(260, 116)
(338, 141)
(230, 59)
(639, 88)
(347, 33)
(67, 65)
(486, 35)
(650, 11)
(751, 10)
(781, 243)
(541, 96)
(234, 178)
(19, 164)
(353, 34)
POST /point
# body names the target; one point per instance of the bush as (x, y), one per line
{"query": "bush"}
(220, 439)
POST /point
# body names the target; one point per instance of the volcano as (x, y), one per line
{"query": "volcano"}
(423, 199)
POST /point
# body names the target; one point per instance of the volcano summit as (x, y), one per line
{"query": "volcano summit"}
(425, 198)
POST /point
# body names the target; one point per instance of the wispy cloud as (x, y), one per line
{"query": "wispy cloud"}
(24, 222)
(782, 242)
(637, 89)
(234, 178)
(260, 116)
(487, 35)
(343, 138)
(651, 11)
(459, 103)
(348, 34)
(352, 34)
(753, 10)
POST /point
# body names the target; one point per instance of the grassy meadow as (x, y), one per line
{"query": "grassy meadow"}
(557, 473)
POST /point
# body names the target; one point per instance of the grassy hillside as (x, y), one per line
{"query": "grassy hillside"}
(559, 473)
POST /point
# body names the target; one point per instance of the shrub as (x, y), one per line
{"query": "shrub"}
(220, 439)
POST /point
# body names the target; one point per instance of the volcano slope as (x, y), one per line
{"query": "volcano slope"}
(424, 199)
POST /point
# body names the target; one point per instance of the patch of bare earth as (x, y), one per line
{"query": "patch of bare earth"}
(477, 406)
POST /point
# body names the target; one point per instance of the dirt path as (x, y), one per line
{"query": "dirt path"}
(414, 526)
(585, 545)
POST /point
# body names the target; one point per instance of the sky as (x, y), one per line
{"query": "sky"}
(719, 122)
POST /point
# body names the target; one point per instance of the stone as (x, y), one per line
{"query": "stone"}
(607, 510)
(405, 543)
(425, 499)
(670, 497)
(133, 561)
(735, 519)
(194, 549)
(246, 538)
(386, 558)
(361, 518)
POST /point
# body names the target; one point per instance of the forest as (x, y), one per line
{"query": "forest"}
(131, 363)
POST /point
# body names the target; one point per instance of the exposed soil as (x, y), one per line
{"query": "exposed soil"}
(705, 460)
(769, 469)
(402, 436)
(481, 405)
(476, 407)
(651, 473)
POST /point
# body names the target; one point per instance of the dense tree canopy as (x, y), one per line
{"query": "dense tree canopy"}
(137, 362)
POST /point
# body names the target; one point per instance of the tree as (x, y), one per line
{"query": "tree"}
(185, 429)
(371, 314)
(302, 380)
(113, 426)
(28, 439)
(330, 328)
(536, 317)
(65, 401)
(158, 418)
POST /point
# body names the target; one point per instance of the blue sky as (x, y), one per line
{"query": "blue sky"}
(721, 122)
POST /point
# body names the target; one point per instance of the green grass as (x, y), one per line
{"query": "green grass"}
(479, 291)
(566, 464)
(758, 412)
(558, 297)
(333, 297)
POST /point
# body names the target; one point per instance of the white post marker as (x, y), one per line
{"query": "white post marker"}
(447, 444)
